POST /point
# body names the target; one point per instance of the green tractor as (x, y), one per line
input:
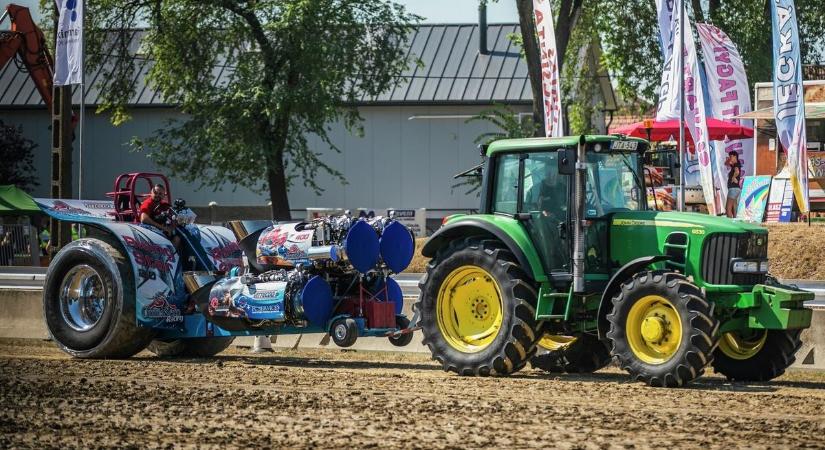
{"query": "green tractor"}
(565, 267)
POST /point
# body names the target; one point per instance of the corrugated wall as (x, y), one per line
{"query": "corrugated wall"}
(399, 162)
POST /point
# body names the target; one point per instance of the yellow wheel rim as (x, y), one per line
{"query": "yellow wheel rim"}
(554, 342)
(735, 346)
(469, 309)
(654, 329)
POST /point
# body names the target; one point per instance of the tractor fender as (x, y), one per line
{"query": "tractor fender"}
(615, 283)
(474, 227)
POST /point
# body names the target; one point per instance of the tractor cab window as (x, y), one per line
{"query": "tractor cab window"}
(545, 191)
(505, 199)
(613, 183)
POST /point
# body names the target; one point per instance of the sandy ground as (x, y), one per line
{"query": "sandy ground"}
(334, 399)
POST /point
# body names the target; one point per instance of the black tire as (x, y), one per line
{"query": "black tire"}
(344, 332)
(116, 333)
(401, 340)
(515, 342)
(698, 325)
(776, 355)
(202, 347)
(586, 354)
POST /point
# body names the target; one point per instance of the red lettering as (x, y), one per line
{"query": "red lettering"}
(731, 112)
(724, 70)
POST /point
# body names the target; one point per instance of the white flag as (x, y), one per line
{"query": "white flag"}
(68, 64)
(668, 107)
(729, 96)
(696, 121)
(549, 68)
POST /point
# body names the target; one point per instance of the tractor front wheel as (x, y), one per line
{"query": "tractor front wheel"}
(477, 309)
(662, 329)
(756, 355)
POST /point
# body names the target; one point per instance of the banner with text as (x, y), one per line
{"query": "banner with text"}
(729, 96)
(668, 107)
(788, 96)
(549, 68)
(696, 120)
(68, 62)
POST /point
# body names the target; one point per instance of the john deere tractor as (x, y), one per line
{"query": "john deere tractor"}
(566, 267)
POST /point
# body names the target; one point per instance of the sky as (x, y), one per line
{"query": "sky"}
(461, 11)
(433, 11)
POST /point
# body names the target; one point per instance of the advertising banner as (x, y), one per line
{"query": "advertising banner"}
(68, 61)
(668, 107)
(551, 90)
(788, 96)
(754, 198)
(696, 120)
(729, 95)
(817, 166)
(414, 219)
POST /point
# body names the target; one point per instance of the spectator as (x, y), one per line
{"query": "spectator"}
(734, 183)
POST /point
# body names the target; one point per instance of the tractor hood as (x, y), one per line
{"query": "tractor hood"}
(684, 220)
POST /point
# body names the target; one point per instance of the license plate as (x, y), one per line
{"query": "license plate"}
(624, 145)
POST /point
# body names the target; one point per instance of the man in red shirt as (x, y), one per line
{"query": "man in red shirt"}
(152, 208)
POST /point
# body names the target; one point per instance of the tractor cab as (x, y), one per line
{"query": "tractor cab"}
(131, 189)
(536, 186)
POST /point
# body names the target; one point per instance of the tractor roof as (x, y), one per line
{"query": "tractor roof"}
(528, 144)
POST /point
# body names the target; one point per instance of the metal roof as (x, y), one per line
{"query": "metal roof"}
(453, 71)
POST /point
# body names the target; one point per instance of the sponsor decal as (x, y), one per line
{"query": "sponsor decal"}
(160, 308)
(149, 254)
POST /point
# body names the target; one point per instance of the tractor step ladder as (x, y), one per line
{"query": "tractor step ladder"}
(552, 305)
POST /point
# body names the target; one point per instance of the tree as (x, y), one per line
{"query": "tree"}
(17, 154)
(293, 67)
(629, 35)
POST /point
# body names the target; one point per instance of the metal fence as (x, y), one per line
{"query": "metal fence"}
(19, 245)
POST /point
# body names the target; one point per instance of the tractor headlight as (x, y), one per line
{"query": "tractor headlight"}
(740, 266)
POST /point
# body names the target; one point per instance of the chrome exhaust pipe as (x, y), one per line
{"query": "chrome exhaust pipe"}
(578, 216)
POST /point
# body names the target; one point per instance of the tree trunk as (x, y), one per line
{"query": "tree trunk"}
(698, 14)
(275, 170)
(533, 59)
(568, 17)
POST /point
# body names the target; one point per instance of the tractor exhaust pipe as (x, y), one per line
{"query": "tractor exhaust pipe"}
(578, 217)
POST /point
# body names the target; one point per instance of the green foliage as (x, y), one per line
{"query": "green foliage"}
(17, 154)
(288, 68)
(508, 125)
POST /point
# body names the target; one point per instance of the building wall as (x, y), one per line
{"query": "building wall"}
(406, 158)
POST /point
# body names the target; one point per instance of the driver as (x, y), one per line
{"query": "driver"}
(152, 211)
(550, 194)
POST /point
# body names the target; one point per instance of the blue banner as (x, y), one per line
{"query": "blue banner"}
(788, 96)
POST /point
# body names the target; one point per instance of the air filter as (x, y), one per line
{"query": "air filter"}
(397, 246)
(316, 301)
(361, 246)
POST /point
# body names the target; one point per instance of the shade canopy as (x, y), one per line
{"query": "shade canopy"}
(667, 130)
(14, 200)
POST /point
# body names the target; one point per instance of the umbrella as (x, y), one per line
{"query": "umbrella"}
(665, 131)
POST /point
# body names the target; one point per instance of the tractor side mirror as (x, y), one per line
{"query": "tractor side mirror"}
(567, 161)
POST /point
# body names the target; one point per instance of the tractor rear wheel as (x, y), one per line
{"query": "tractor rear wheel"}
(759, 355)
(571, 354)
(89, 302)
(662, 329)
(202, 347)
(477, 309)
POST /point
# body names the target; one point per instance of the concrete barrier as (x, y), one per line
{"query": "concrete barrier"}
(21, 316)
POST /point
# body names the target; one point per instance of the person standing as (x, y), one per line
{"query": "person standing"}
(734, 183)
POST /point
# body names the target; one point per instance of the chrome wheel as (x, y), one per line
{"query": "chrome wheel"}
(82, 298)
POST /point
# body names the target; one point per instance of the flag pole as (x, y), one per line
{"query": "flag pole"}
(682, 105)
(81, 121)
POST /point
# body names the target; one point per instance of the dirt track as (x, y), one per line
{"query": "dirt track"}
(330, 399)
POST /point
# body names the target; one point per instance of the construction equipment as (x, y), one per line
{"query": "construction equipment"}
(565, 257)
